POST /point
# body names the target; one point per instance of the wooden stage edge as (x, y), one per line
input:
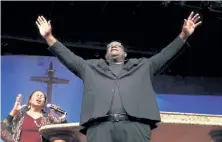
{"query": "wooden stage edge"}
(191, 118)
(175, 127)
(187, 118)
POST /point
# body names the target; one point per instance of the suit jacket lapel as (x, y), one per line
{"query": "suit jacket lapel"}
(129, 64)
(104, 68)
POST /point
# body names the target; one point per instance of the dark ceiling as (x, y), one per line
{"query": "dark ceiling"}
(145, 27)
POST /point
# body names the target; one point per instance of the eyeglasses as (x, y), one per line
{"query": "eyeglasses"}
(115, 45)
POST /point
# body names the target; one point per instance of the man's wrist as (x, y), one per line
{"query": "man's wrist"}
(50, 39)
(183, 36)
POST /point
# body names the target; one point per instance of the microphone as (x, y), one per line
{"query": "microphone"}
(53, 107)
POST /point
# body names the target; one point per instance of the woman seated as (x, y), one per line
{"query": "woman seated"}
(24, 121)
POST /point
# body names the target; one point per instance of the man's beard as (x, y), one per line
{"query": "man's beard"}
(116, 59)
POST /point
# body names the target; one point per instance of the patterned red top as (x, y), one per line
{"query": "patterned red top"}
(30, 132)
(11, 127)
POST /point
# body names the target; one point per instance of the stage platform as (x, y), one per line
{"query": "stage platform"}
(184, 127)
(178, 127)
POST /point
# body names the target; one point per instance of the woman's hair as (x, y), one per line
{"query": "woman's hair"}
(30, 96)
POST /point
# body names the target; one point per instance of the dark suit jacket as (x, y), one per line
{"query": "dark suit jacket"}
(134, 83)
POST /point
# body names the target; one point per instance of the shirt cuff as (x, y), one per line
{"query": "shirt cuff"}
(56, 44)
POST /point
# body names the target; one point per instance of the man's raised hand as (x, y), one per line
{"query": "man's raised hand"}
(190, 24)
(44, 26)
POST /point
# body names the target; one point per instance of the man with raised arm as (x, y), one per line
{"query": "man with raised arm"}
(119, 103)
